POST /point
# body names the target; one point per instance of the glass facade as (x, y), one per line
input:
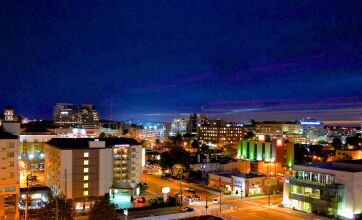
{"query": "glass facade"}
(315, 192)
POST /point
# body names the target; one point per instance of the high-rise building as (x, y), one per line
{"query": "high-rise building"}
(219, 132)
(65, 115)
(312, 129)
(9, 173)
(179, 126)
(195, 120)
(88, 117)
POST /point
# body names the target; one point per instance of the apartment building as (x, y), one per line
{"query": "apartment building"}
(86, 168)
(9, 174)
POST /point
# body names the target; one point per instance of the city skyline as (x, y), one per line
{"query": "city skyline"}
(231, 60)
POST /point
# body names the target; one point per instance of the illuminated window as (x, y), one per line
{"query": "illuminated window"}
(86, 170)
(85, 178)
(85, 185)
(85, 193)
(86, 154)
(86, 162)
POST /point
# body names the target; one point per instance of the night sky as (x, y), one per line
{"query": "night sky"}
(267, 60)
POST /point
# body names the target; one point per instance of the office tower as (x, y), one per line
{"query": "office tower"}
(220, 133)
(179, 126)
(65, 115)
(88, 117)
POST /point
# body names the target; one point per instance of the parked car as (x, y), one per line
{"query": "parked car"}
(152, 201)
(188, 198)
(195, 197)
(141, 199)
(187, 189)
(187, 209)
(215, 201)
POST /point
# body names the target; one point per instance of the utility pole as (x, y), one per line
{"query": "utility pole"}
(56, 208)
(206, 205)
(27, 196)
(220, 202)
(180, 190)
(268, 194)
(241, 190)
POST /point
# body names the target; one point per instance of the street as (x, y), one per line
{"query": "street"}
(232, 207)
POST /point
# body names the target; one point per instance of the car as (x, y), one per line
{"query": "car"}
(152, 201)
(195, 197)
(187, 209)
(188, 198)
(141, 199)
(177, 194)
(187, 189)
(215, 201)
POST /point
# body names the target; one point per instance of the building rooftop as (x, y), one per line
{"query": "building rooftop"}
(83, 143)
(238, 174)
(7, 135)
(347, 166)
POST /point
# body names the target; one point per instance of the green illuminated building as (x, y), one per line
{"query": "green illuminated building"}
(275, 151)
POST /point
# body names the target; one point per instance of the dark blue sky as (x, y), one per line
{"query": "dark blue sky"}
(238, 59)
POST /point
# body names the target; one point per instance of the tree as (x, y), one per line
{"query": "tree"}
(103, 209)
(354, 141)
(204, 149)
(195, 144)
(249, 135)
(165, 161)
(65, 209)
(102, 135)
(337, 143)
(176, 155)
(230, 151)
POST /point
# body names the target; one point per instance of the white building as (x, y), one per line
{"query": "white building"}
(179, 126)
(86, 168)
(9, 173)
(333, 189)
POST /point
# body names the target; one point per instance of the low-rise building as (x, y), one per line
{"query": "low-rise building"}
(333, 189)
(216, 167)
(343, 154)
(247, 184)
(275, 151)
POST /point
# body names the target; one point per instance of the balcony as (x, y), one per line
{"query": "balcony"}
(313, 184)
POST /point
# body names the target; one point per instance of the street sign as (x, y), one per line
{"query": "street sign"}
(125, 212)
